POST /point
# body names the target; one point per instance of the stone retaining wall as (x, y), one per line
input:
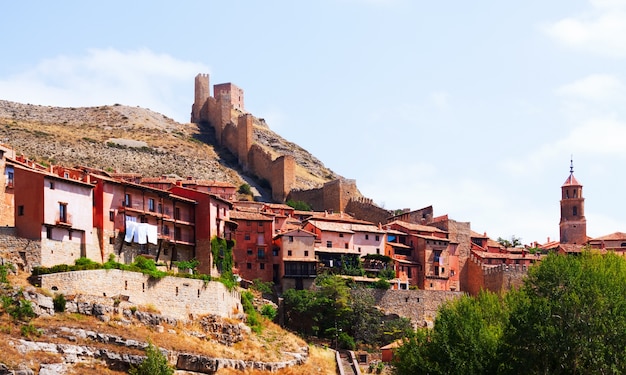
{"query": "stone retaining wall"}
(173, 296)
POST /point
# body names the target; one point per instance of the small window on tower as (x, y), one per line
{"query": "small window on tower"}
(575, 211)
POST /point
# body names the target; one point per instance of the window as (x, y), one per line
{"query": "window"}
(367, 236)
(177, 213)
(63, 212)
(49, 233)
(246, 236)
(329, 243)
(249, 266)
(359, 249)
(10, 179)
(66, 175)
(260, 224)
(341, 235)
(166, 230)
(290, 238)
(151, 207)
(249, 251)
(51, 185)
(262, 266)
(248, 223)
(288, 253)
(575, 211)
(260, 253)
(306, 253)
(69, 234)
(275, 251)
(377, 251)
(377, 238)
(345, 245)
(111, 240)
(111, 215)
(177, 234)
(127, 200)
(20, 210)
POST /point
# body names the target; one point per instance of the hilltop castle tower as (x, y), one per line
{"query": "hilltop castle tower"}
(573, 225)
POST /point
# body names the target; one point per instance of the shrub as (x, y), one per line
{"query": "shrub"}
(154, 364)
(21, 310)
(59, 303)
(269, 312)
(254, 319)
(345, 341)
(245, 189)
(381, 284)
(28, 330)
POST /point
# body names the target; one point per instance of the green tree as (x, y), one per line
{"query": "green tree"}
(154, 364)
(299, 205)
(571, 317)
(465, 339)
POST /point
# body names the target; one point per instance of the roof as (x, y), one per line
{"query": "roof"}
(296, 232)
(571, 180)
(396, 344)
(50, 175)
(330, 226)
(416, 227)
(252, 216)
(617, 236)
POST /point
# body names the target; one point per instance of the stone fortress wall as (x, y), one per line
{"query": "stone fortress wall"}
(418, 305)
(234, 130)
(175, 297)
(493, 278)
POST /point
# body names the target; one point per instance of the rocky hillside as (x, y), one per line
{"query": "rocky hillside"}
(138, 140)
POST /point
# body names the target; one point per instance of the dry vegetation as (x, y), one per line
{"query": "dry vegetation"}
(268, 346)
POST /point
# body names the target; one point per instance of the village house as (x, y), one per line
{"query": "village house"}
(254, 255)
(137, 220)
(212, 220)
(224, 190)
(54, 210)
(299, 264)
(432, 256)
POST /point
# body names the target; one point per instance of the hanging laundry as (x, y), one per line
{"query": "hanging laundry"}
(131, 228)
(142, 233)
(152, 234)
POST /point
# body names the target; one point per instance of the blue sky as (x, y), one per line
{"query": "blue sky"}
(472, 107)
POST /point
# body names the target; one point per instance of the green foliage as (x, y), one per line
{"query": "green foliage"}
(513, 242)
(352, 266)
(569, 317)
(299, 205)
(262, 286)
(4, 272)
(19, 309)
(381, 284)
(59, 302)
(244, 189)
(387, 273)
(269, 312)
(465, 339)
(184, 265)
(253, 316)
(222, 251)
(345, 341)
(29, 330)
(86, 263)
(154, 364)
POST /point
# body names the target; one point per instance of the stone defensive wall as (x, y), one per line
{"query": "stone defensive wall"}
(494, 278)
(334, 196)
(418, 305)
(176, 297)
(365, 209)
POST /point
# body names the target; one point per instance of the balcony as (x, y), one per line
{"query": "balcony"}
(64, 220)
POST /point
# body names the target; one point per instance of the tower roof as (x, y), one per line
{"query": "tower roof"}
(571, 180)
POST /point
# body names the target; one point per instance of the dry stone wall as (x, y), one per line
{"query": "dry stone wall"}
(176, 297)
(418, 305)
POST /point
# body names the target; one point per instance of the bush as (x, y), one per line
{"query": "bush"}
(381, 284)
(245, 189)
(59, 303)
(154, 364)
(345, 341)
(28, 330)
(269, 312)
(21, 310)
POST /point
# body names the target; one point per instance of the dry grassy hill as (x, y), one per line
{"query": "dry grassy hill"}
(138, 140)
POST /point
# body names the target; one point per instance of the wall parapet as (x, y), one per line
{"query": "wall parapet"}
(179, 298)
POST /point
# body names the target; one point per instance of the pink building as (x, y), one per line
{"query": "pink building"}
(56, 211)
(299, 265)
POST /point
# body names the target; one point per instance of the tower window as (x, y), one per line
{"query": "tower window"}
(575, 211)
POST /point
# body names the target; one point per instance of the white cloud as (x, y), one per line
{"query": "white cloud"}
(602, 30)
(107, 76)
(596, 87)
(596, 137)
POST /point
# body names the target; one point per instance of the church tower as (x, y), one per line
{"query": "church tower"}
(573, 225)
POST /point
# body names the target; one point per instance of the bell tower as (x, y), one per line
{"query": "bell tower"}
(573, 225)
